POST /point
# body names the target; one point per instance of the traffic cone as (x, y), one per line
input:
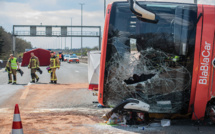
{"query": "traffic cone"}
(17, 124)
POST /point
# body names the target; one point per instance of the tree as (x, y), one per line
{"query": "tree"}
(6, 44)
(95, 48)
(1, 45)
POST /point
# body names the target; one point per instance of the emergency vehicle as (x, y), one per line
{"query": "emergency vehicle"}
(73, 58)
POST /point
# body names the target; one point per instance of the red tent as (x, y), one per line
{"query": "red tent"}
(42, 54)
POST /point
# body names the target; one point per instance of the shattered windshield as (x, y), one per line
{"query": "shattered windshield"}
(151, 62)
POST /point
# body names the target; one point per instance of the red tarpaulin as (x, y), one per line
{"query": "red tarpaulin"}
(42, 54)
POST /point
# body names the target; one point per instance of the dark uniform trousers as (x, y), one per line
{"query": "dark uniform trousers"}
(53, 74)
(33, 74)
(10, 73)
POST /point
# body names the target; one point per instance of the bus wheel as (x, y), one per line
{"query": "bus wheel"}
(210, 112)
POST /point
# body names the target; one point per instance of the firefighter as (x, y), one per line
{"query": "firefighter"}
(60, 56)
(34, 66)
(174, 60)
(11, 67)
(8, 69)
(54, 64)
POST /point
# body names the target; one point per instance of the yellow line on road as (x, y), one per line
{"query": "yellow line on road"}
(25, 93)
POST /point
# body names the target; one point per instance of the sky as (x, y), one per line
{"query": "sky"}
(59, 12)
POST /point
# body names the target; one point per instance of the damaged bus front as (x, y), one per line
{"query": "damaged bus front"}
(148, 54)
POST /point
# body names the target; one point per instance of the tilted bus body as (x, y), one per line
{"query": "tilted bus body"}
(166, 63)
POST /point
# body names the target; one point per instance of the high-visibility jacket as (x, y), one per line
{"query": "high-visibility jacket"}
(60, 56)
(7, 64)
(176, 58)
(13, 63)
(7, 67)
(34, 62)
(54, 62)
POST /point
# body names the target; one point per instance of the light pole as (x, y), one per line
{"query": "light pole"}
(56, 42)
(61, 43)
(81, 26)
(71, 34)
(104, 7)
(195, 1)
(65, 43)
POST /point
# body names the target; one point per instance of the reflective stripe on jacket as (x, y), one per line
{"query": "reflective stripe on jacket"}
(54, 62)
(34, 62)
(176, 58)
(7, 67)
(13, 63)
(8, 63)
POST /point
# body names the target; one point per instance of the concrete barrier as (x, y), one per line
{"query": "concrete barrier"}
(83, 60)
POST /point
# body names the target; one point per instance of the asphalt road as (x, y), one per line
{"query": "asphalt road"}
(67, 107)
(69, 73)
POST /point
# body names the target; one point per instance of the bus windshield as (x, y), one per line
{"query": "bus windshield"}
(151, 62)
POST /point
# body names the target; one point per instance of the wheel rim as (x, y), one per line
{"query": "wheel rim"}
(211, 113)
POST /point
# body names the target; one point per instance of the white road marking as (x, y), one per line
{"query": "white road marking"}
(76, 71)
(5, 110)
(25, 93)
(40, 110)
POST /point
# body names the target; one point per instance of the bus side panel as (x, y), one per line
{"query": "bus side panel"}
(204, 73)
(196, 58)
(212, 91)
(103, 55)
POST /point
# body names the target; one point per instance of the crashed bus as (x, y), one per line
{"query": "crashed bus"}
(161, 55)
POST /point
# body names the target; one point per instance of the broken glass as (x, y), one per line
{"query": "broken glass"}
(145, 61)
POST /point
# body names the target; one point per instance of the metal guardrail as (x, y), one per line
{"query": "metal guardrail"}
(84, 60)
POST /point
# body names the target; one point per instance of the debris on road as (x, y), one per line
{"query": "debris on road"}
(116, 119)
(165, 122)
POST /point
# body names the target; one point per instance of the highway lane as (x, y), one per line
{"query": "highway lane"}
(73, 73)
(67, 106)
(7, 91)
(67, 74)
